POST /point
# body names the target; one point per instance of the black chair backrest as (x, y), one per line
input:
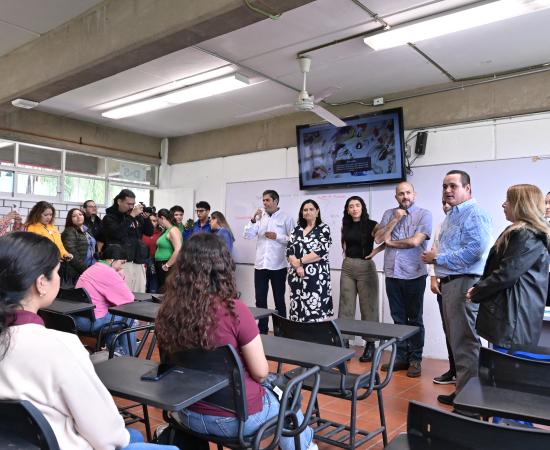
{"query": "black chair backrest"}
(77, 295)
(501, 369)
(22, 425)
(326, 333)
(224, 361)
(74, 295)
(460, 432)
(56, 321)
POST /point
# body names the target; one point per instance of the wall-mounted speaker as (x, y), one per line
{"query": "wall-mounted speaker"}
(420, 146)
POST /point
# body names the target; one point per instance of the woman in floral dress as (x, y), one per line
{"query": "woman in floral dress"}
(309, 272)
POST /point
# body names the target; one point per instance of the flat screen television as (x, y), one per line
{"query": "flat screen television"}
(370, 149)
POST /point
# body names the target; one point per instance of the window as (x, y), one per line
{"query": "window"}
(39, 158)
(84, 164)
(132, 172)
(43, 185)
(78, 189)
(28, 170)
(7, 153)
(6, 181)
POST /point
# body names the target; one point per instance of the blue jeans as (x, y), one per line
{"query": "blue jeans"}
(406, 299)
(86, 325)
(137, 443)
(229, 426)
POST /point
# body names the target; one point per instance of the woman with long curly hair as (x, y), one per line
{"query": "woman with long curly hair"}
(41, 221)
(200, 310)
(358, 276)
(512, 290)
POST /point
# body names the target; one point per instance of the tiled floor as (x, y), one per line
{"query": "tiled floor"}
(396, 398)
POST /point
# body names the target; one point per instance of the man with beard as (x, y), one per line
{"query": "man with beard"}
(404, 230)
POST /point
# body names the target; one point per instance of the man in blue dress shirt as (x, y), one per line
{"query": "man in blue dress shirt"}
(463, 247)
(405, 230)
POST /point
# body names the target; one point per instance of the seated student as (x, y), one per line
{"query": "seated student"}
(104, 282)
(47, 367)
(40, 220)
(200, 310)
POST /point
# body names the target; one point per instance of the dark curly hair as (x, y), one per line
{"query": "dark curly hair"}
(34, 214)
(347, 220)
(202, 280)
(23, 258)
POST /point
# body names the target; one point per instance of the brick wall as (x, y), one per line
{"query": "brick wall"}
(24, 207)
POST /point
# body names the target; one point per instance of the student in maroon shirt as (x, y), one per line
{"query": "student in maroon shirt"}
(200, 309)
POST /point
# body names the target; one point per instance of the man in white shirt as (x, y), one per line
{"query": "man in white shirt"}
(272, 228)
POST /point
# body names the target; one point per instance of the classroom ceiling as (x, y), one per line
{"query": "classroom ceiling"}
(21, 21)
(266, 52)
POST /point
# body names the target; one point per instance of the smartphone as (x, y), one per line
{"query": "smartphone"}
(157, 373)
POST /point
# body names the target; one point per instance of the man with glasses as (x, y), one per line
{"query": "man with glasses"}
(202, 225)
(93, 222)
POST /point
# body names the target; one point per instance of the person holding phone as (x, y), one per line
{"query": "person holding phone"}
(13, 217)
(271, 227)
(41, 221)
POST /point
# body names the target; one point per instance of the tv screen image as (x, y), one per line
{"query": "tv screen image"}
(370, 149)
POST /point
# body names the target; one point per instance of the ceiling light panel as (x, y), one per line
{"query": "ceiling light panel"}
(447, 23)
(179, 96)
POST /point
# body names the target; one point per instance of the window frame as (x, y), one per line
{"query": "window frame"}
(61, 174)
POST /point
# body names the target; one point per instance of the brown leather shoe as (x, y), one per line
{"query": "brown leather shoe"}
(415, 369)
(399, 365)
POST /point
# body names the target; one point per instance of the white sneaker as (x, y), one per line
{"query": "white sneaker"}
(313, 446)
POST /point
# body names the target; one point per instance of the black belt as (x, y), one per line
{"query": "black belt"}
(448, 278)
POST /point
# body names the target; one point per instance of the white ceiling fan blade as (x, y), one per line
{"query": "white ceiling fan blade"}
(325, 93)
(265, 110)
(328, 116)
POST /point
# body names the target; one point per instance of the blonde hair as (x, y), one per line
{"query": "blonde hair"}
(526, 206)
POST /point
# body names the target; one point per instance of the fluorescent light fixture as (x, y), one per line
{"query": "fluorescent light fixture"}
(169, 87)
(452, 22)
(179, 96)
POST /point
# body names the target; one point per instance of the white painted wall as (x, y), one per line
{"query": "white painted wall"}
(488, 140)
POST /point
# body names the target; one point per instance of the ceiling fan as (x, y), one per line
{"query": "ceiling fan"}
(305, 101)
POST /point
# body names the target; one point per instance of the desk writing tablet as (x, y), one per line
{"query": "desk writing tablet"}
(142, 296)
(305, 354)
(145, 311)
(69, 307)
(377, 330)
(496, 401)
(177, 390)
(261, 313)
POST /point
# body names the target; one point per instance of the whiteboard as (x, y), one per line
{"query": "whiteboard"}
(490, 180)
(243, 198)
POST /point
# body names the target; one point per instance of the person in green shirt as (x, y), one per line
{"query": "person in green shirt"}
(168, 245)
